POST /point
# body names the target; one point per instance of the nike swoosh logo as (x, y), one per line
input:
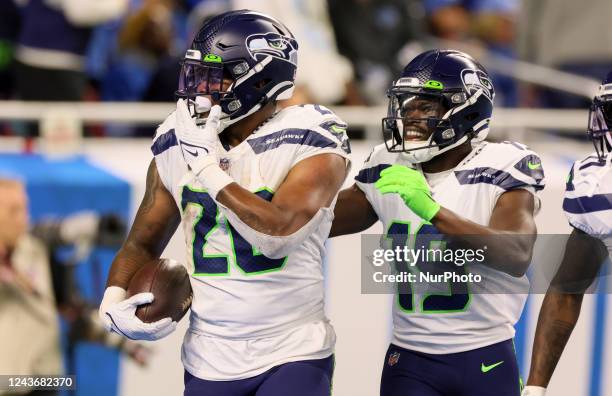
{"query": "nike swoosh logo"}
(195, 150)
(116, 328)
(486, 369)
(533, 166)
(195, 154)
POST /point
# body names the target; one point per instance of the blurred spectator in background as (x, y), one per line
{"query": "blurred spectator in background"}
(52, 44)
(375, 35)
(491, 23)
(187, 20)
(572, 36)
(138, 59)
(144, 41)
(82, 231)
(9, 29)
(35, 288)
(28, 317)
(324, 76)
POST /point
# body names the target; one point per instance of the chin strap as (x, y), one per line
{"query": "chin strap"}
(424, 155)
(226, 121)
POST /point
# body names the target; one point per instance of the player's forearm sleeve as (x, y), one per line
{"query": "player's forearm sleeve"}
(277, 246)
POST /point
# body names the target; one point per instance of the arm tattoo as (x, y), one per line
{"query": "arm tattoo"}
(156, 220)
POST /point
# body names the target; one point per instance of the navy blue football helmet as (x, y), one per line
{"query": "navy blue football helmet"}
(242, 60)
(454, 81)
(600, 118)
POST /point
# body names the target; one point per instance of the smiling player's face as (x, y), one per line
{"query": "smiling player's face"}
(415, 110)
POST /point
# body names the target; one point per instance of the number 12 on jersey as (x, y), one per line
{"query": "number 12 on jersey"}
(457, 299)
(206, 224)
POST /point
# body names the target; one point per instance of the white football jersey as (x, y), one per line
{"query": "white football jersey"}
(433, 318)
(588, 198)
(250, 312)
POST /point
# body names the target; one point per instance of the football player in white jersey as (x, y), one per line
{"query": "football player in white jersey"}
(254, 188)
(436, 176)
(588, 208)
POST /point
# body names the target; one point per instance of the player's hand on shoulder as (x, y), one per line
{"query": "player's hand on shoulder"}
(198, 145)
(411, 187)
(119, 315)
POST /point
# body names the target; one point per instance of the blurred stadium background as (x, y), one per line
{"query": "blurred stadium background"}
(83, 84)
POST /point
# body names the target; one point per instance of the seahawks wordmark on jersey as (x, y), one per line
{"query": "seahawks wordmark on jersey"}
(455, 319)
(250, 312)
(588, 197)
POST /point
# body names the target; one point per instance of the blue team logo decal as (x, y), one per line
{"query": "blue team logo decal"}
(274, 44)
(473, 80)
(393, 358)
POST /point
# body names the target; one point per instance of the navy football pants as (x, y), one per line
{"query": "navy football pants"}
(303, 378)
(472, 373)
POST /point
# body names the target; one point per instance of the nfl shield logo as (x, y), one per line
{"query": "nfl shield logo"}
(393, 358)
(224, 164)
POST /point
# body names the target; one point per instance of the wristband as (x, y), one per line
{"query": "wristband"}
(211, 176)
(533, 391)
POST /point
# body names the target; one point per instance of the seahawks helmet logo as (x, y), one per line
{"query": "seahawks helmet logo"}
(473, 80)
(274, 44)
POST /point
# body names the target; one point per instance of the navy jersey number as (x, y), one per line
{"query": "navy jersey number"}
(458, 297)
(247, 258)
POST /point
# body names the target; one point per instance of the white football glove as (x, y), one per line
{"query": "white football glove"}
(199, 147)
(119, 315)
(533, 391)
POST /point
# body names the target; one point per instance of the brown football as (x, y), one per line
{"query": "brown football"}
(168, 280)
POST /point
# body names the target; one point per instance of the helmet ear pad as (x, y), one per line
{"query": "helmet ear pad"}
(471, 117)
(267, 80)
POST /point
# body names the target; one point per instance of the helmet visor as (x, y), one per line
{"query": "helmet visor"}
(197, 78)
(419, 106)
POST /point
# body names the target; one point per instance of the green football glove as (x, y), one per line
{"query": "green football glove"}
(412, 187)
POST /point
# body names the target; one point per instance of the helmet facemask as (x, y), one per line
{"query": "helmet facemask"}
(600, 121)
(419, 122)
(203, 83)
